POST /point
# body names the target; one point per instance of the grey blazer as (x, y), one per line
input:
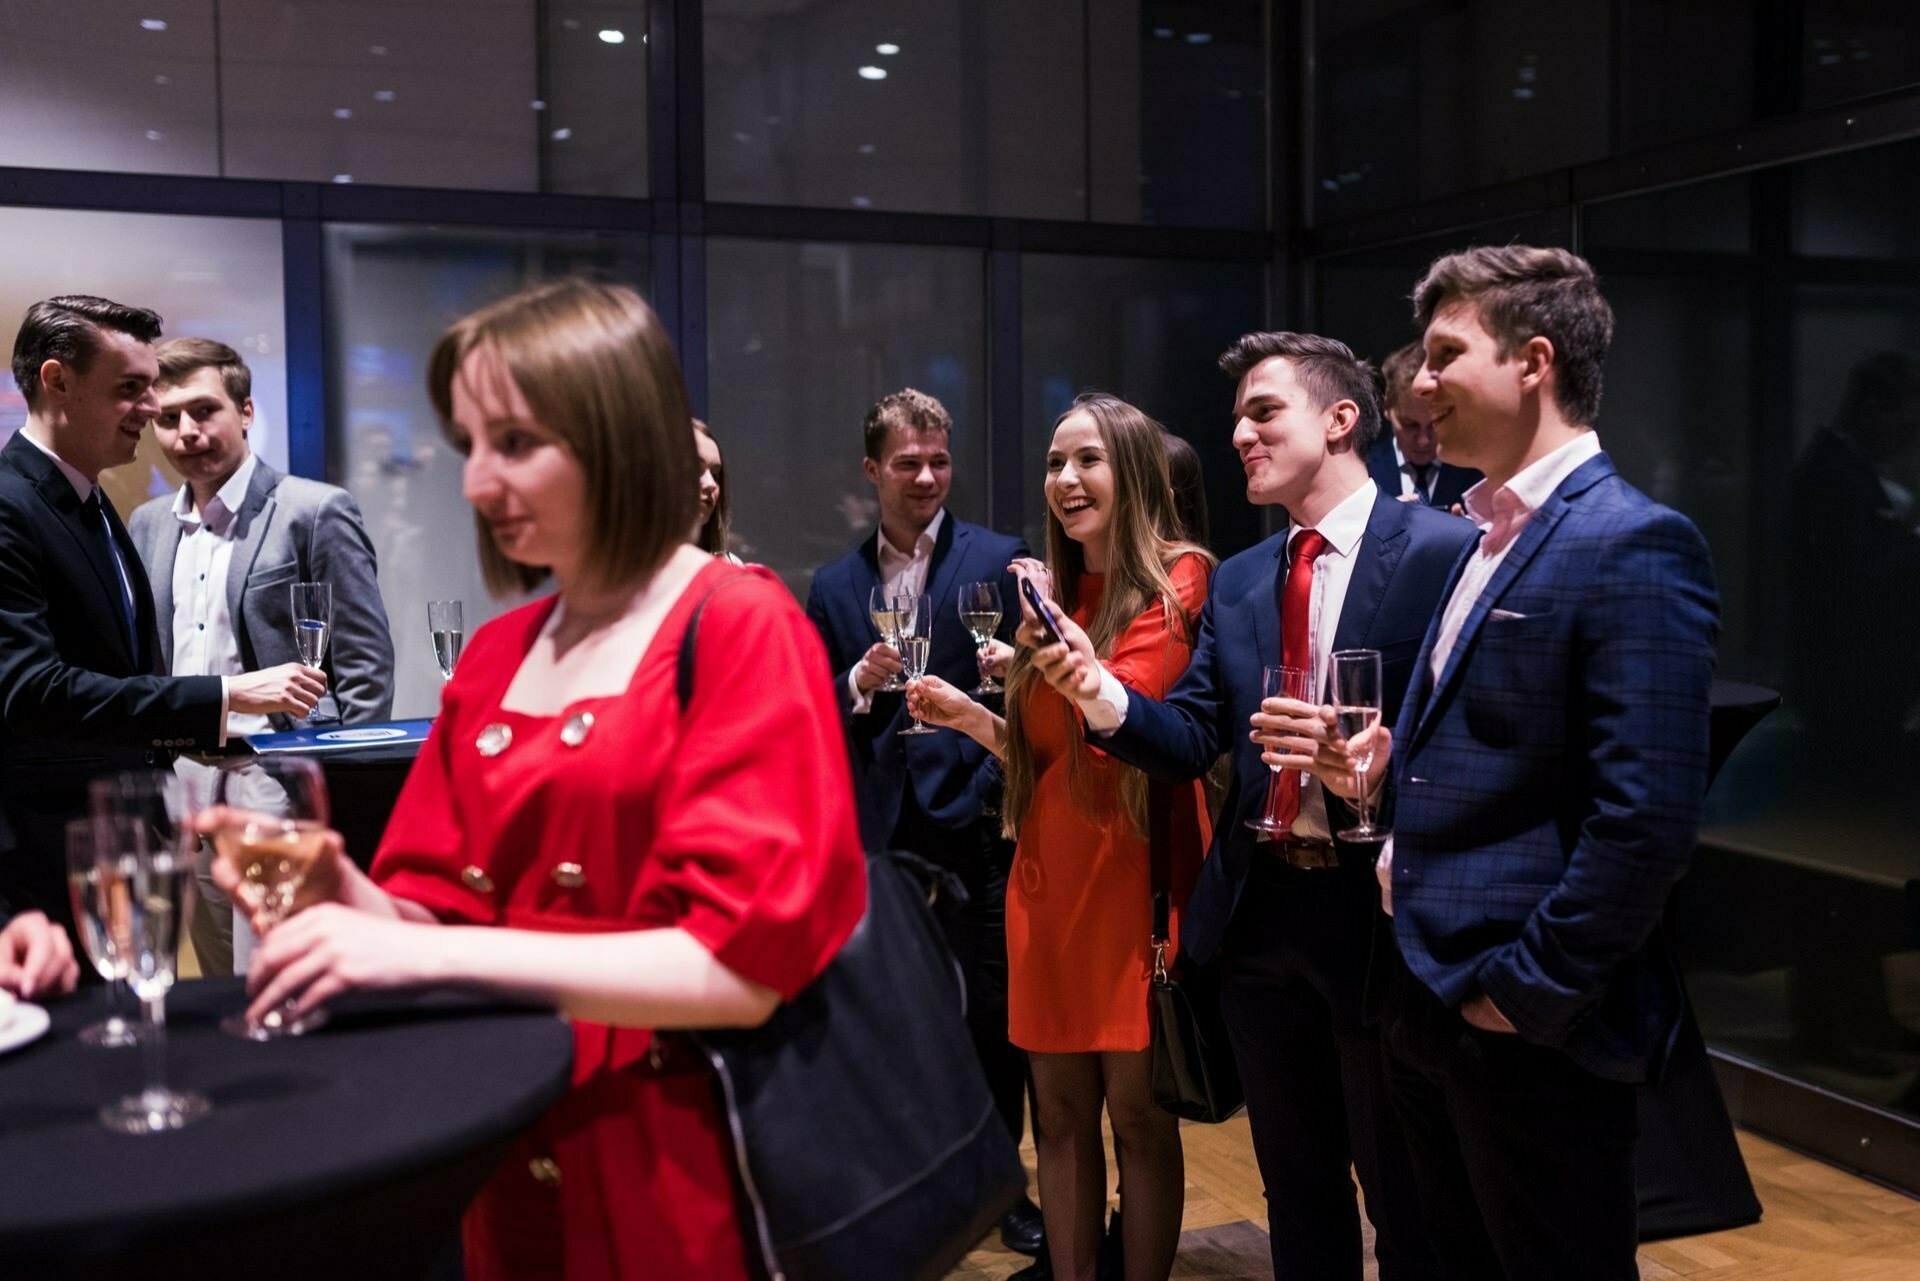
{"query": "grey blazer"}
(289, 530)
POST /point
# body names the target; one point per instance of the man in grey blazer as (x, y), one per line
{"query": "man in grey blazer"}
(222, 553)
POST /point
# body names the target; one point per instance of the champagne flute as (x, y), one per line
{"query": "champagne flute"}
(449, 631)
(273, 835)
(145, 883)
(1356, 711)
(1280, 682)
(980, 611)
(886, 620)
(89, 914)
(915, 619)
(312, 620)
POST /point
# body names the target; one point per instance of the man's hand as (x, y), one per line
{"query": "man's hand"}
(35, 957)
(1485, 1015)
(880, 662)
(1071, 666)
(1290, 732)
(292, 688)
(1320, 751)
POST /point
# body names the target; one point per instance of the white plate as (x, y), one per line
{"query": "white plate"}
(23, 1023)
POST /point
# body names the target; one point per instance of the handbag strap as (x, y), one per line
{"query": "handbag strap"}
(1160, 869)
(689, 648)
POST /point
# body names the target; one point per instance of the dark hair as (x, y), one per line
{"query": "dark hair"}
(182, 358)
(1189, 488)
(712, 536)
(598, 371)
(67, 329)
(1522, 292)
(1398, 371)
(1326, 368)
(903, 408)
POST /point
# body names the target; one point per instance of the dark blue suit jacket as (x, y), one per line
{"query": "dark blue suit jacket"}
(1549, 785)
(1448, 486)
(950, 773)
(1403, 560)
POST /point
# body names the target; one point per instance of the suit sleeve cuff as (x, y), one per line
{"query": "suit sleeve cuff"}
(862, 701)
(221, 740)
(1106, 711)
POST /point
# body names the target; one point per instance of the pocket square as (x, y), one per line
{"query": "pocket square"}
(1505, 613)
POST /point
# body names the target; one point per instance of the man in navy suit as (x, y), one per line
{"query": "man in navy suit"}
(936, 795)
(1549, 765)
(1291, 921)
(1405, 462)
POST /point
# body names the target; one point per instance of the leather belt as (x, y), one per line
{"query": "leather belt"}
(1304, 855)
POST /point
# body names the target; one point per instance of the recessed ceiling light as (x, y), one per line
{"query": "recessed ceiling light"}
(343, 177)
(1199, 37)
(538, 104)
(866, 148)
(163, 80)
(562, 134)
(873, 73)
(153, 24)
(343, 113)
(862, 202)
(383, 95)
(612, 35)
(378, 50)
(887, 50)
(154, 135)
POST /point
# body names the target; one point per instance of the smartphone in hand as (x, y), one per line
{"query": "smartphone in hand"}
(1048, 623)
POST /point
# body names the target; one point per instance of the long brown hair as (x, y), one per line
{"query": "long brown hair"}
(1144, 542)
(713, 536)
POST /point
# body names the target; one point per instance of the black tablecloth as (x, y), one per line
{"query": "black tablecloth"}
(348, 1153)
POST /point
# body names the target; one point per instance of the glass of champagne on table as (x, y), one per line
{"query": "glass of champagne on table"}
(96, 940)
(980, 611)
(1356, 712)
(914, 615)
(144, 882)
(1281, 682)
(886, 621)
(273, 835)
(449, 632)
(312, 620)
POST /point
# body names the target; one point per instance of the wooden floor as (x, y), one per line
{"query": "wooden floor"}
(1819, 1225)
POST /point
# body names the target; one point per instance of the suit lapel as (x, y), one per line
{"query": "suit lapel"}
(948, 553)
(1380, 550)
(250, 531)
(164, 546)
(1266, 611)
(68, 513)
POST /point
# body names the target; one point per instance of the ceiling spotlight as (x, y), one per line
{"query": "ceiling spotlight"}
(873, 73)
(538, 104)
(612, 35)
(153, 24)
(862, 202)
(562, 134)
(343, 177)
(1163, 33)
(383, 95)
(154, 135)
(1199, 37)
(378, 50)
(887, 50)
(866, 148)
(163, 80)
(343, 113)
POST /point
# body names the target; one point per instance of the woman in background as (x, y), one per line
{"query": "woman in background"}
(712, 533)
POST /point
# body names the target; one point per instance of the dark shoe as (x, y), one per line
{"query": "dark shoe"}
(1039, 1270)
(1021, 1230)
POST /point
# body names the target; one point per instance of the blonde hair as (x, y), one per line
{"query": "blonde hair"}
(598, 371)
(1144, 542)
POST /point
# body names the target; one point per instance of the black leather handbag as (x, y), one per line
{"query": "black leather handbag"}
(1194, 1074)
(864, 1137)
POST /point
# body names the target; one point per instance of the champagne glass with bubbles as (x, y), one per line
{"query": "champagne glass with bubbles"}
(1280, 682)
(1356, 710)
(449, 632)
(312, 620)
(915, 617)
(886, 620)
(84, 878)
(980, 611)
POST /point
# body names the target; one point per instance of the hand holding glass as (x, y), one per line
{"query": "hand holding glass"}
(449, 632)
(1356, 711)
(312, 620)
(1280, 682)
(914, 616)
(886, 621)
(980, 612)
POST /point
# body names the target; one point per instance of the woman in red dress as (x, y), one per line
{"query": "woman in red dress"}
(1079, 913)
(570, 834)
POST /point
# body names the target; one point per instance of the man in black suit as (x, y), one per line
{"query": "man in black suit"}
(81, 686)
(936, 795)
(1405, 462)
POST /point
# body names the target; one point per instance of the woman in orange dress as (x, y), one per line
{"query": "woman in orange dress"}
(570, 834)
(1079, 911)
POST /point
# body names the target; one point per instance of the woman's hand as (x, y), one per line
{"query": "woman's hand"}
(1035, 572)
(997, 660)
(934, 701)
(311, 958)
(35, 957)
(1071, 667)
(331, 878)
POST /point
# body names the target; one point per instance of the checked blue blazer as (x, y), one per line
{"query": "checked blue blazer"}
(1549, 785)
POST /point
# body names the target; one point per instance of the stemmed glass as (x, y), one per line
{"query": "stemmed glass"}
(449, 631)
(1280, 682)
(980, 611)
(312, 620)
(144, 878)
(886, 620)
(914, 617)
(273, 834)
(89, 913)
(1356, 710)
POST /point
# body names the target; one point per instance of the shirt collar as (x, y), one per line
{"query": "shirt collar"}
(928, 537)
(1534, 483)
(1346, 523)
(83, 485)
(226, 501)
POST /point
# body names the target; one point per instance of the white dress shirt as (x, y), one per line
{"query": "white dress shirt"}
(1501, 514)
(900, 572)
(204, 643)
(1343, 528)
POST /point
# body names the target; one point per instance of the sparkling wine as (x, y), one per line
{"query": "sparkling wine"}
(1351, 722)
(446, 650)
(146, 901)
(310, 636)
(90, 912)
(913, 656)
(887, 622)
(273, 857)
(981, 623)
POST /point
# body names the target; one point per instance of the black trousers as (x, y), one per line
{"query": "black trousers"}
(1293, 972)
(1525, 1161)
(976, 931)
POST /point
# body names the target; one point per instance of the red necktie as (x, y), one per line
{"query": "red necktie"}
(1296, 647)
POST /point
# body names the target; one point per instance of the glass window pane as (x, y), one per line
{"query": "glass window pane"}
(594, 128)
(1858, 47)
(390, 293)
(1859, 205)
(801, 339)
(1150, 332)
(207, 277)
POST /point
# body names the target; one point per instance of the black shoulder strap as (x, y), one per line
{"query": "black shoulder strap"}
(1160, 855)
(689, 648)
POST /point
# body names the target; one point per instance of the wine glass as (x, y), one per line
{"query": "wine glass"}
(89, 914)
(312, 620)
(273, 834)
(449, 632)
(886, 620)
(1281, 682)
(980, 611)
(144, 879)
(914, 616)
(1356, 710)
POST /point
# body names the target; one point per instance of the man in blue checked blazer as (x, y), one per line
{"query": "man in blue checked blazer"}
(934, 794)
(1548, 764)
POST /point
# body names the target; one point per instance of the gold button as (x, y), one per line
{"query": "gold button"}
(494, 739)
(575, 731)
(476, 879)
(544, 1171)
(569, 876)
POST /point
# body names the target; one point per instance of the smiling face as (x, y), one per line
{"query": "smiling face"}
(523, 482)
(1477, 395)
(911, 477)
(97, 416)
(201, 431)
(1280, 436)
(710, 474)
(1079, 485)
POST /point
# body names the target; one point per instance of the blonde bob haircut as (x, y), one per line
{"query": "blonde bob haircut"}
(598, 372)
